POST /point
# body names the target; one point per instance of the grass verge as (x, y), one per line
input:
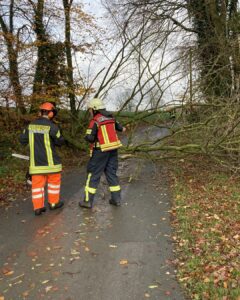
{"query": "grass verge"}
(206, 219)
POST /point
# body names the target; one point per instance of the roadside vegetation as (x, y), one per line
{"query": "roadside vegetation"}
(207, 225)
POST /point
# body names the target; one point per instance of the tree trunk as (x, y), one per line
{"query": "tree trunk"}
(42, 40)
(13, 59)
(211, 21)
(70, 83)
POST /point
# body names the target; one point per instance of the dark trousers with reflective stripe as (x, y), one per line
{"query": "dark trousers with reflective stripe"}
(99, 163)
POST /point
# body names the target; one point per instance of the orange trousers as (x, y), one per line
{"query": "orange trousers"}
(38, 183)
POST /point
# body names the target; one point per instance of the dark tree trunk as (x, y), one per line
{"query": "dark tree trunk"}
(70, 83)
(13, 59)
(213, 22)
(42, 41)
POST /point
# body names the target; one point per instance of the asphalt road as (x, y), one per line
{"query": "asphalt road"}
(109, 253)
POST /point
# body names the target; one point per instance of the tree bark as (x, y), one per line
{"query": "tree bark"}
(41, 41)
(13, 59)
(70, 83)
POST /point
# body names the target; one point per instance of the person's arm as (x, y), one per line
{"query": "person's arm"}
(56, 136)
(24, 137)
(91, 133)
(119, 127)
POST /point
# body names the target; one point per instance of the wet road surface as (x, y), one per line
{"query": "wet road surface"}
(109, 253)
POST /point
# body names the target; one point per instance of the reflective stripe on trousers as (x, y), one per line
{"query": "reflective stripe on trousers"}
(99, 163)
(38, 184)
(88, 189)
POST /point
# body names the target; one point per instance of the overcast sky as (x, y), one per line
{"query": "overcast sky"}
(95, 8)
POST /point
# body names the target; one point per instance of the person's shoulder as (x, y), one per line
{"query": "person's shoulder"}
(104, 116)
(107, 114)
(46, 122)
(53, 125)
(36, 121)
(92, 122)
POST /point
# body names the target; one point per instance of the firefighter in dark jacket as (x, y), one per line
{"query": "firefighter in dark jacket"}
(101, 133)
(43, 135)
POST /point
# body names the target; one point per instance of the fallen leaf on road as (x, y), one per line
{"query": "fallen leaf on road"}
(6, 270)
(147, 295)
(18, 282)
(167, 293)
(123, 262)
(32, 253)
(38, 265)
(9, 273)
(167, 273)
(87, 249)
(24, 294)
(45, 281)
(74, 252)
(56, 273)
(48, 288)
(153, 286)
(57, 247)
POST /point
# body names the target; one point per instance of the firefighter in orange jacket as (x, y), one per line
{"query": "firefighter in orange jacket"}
(43, 135)
(102, 135)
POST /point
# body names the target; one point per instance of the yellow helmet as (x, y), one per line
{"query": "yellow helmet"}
(96, 104)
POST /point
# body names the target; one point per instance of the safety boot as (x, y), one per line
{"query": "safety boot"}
(115, 202)
(89, 203)
(39, 211)
(53, 206)
(86, 204)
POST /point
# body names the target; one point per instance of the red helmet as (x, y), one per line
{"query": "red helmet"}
(47, 106)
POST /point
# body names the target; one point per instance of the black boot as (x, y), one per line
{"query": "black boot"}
(89, 203)
(115, 198)
(39, 211)
(115, 202)
(86, 204)
(53, 206)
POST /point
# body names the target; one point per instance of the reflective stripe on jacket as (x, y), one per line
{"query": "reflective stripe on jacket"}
(42, 135)
(101, 132)
(107, 135)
